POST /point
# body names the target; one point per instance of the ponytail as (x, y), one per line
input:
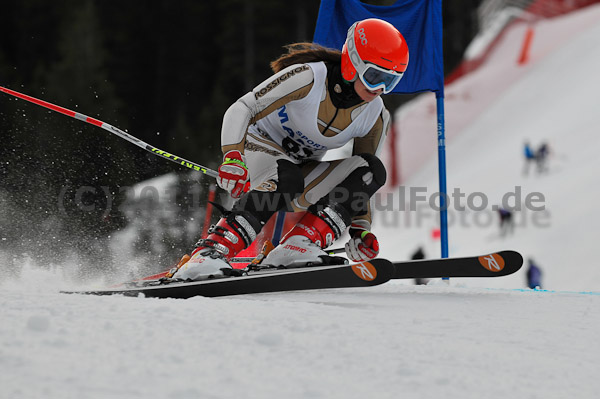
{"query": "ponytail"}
(301, 53)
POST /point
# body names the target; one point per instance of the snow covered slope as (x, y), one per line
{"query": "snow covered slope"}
(383, 342)
(553, 98)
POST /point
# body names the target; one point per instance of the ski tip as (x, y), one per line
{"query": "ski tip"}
(502, 262)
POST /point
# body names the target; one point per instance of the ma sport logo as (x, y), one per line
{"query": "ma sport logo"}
(492, 262)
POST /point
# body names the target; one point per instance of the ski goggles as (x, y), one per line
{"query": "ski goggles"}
(376, 77)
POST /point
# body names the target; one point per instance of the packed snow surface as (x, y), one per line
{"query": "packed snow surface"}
(383, 342)
(470, 339)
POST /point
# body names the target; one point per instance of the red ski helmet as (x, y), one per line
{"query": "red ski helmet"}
(376, 52)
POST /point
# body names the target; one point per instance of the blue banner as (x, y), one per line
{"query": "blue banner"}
(419, 21)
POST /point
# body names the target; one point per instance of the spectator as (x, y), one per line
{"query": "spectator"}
(541, 156)
(534, 276)
(419, 254)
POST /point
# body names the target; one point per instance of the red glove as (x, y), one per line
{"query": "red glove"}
(233, 174)
(363, 244)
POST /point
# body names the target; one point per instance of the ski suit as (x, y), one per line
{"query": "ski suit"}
(284, 127)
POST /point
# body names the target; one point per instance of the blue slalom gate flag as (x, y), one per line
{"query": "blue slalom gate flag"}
(419, 21)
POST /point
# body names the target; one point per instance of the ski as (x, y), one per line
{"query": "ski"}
(364, 274)
(496, 264)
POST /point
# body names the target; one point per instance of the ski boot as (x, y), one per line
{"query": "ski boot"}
(304, 245)
(210, 259)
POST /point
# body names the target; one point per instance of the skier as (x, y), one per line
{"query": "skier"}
(506, 221)
(274, 137)
(529, 157)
